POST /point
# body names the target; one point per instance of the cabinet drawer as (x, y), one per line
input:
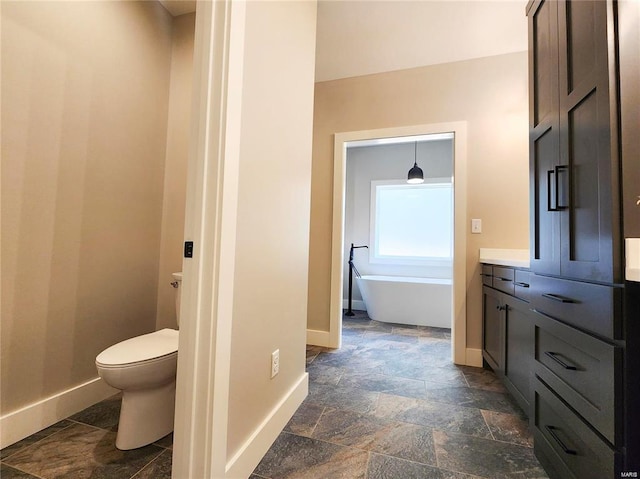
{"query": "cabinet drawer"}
(582, 370)
(503, 279)
(522, 284)
(565, 443)
(487, 275)
(591, 307)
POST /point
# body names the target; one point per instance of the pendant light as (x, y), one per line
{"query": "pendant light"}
(415, 174)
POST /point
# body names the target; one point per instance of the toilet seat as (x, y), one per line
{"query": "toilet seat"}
(152, 347)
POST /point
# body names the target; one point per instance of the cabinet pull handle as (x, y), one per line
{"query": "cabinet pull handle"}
(501, 308)
(554, 356)
(549, 183)
(557, 297)
(559, 169)
(502, 279)
(487, 275)
(550, 430)
(522, 285)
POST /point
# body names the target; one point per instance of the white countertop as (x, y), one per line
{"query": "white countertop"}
(518, 258)
(632, 253)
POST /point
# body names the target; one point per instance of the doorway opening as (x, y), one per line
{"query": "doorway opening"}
(456, 132)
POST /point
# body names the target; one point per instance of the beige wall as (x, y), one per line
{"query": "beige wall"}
(488, 93)
(84, 114)
(175, 166)
(270, 298)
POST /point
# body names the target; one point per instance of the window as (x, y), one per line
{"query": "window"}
(412, 224)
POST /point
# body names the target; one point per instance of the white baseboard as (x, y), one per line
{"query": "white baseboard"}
(30, 419)
(474, 357)
(356, 304)
(242, 464)
(318, 338)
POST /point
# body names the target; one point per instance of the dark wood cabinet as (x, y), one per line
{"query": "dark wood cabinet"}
(544, 144)
(584, 62)
(493, 329)
(566, 446)
(508, 333)
(573, 141)
(583, 370)
(519, 351)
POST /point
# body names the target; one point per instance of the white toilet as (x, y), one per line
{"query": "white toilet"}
(144, 368)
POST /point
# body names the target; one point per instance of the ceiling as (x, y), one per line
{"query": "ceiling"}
(179, 7)
(361, 37)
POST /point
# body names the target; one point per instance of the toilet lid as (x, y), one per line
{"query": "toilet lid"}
(141, 348)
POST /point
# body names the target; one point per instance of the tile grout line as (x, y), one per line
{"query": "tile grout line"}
(147, 464)
(115, 432)
(486, 423)
(33, 444)
(435, 466)
(464, 376)
(324, 408)
(22, 470)
(501, 440)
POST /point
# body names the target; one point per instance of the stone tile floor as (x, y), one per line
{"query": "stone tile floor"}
(83, 447)
(389, 404)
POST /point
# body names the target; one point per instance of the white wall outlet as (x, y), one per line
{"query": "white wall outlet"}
(476, 226)
(275, 363)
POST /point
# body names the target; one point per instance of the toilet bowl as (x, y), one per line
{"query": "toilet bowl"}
(144, 369)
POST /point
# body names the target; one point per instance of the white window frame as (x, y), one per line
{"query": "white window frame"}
(405, 260)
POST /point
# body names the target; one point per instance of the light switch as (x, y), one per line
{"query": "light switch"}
(476, 226)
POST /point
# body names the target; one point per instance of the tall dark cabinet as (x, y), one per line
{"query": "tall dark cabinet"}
(584, 389)
(573, 141)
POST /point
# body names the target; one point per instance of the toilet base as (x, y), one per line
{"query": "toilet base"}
(146, 416)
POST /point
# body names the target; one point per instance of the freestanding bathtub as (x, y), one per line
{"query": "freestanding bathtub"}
(405, 300)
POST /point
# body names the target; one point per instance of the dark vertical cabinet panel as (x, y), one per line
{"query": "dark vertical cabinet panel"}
(632, 378)
(519, 350)
(545, 231)
(572, 142)
(493, 329)
(588, 159)
(543, 136)
(582, 225)
(577, 30)
(545, 68)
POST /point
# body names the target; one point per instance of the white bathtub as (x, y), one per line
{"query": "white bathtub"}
(405, 300)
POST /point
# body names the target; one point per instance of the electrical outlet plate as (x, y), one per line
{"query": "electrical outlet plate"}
(476, 226)
(275, 363)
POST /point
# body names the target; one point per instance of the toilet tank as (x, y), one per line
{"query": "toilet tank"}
(177, 285)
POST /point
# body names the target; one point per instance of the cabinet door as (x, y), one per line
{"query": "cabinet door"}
(587, 175)
(519, 350)
(493, 329)
(544, 137)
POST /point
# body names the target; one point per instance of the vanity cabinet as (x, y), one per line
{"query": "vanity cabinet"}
(508, 330)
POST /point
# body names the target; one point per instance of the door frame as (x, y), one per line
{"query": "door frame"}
(202, 388)
(459, 302)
